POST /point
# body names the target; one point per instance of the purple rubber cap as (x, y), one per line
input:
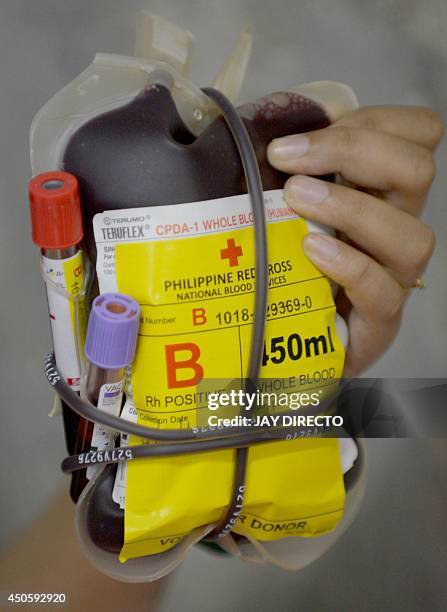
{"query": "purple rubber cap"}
(112, 331)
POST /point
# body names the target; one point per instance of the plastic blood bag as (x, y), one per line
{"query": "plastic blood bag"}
(167, 219)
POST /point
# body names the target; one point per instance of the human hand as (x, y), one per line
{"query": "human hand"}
(388, 152)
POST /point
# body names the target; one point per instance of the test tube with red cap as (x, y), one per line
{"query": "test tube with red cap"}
(109, 348)
(56, 222)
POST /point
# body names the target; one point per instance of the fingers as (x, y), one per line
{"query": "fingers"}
(414, 123)
(386, 150)
(365, 157)
(367, 342)
(374, 293)
(376, 297)
(394, 238)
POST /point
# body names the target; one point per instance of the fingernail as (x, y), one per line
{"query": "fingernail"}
(306, 189)
(318, 247)
(289, 147)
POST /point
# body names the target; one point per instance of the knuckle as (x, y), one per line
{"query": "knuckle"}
(391, 302)
(362, 275)
(391, 305)
(351, 211)
(424, 247)
(422, 169)
(371, 118)
(346, 137)
(434, 122)
(365, 117)
(385, 296)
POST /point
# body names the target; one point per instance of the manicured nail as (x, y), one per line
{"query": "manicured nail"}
(305, 189)
(289, 147)
(320, 248)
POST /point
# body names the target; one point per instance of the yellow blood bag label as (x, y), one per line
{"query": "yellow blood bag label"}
(306, 501)
(67, 275)
(192, 269)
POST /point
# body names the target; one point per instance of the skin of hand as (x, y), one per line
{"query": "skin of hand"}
(384, 156)
(48, 559)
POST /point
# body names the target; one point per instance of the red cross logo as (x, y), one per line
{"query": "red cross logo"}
(232, 252)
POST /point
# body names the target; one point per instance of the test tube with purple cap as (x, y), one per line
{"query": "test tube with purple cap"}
(109, 348)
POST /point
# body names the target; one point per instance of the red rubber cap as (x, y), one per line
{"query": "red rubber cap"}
(55, 206)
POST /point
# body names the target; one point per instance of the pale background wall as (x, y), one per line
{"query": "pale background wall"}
(391, 51)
